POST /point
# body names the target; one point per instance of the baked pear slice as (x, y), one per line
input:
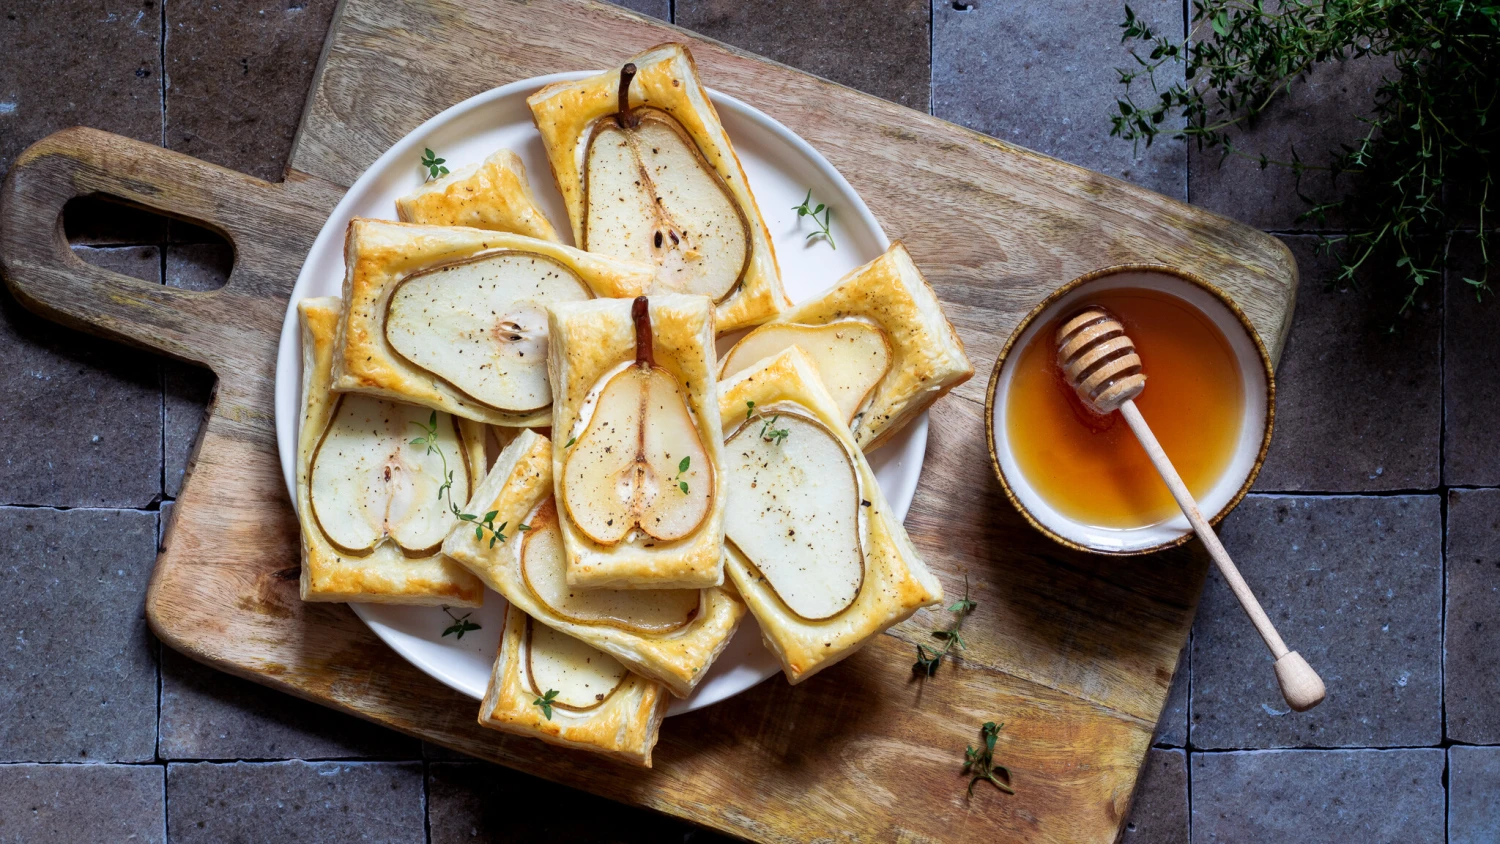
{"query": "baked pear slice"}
(454, 319)
(793, 508)
(648, 173)
(637, 482)
(805, 511)
(640, 463)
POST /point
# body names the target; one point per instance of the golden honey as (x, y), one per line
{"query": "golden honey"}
(1090, 467)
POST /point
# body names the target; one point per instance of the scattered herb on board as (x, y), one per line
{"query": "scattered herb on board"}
(433, 165)
(1424, 163)
(545, 702)
(461, 624)
(429, 440)
(928, 658)
(683, 467)
(979, 762)
(805, 210)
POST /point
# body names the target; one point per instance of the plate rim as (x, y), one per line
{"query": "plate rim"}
(289, 342)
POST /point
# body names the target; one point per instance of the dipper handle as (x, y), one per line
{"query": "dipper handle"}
(1300, 684)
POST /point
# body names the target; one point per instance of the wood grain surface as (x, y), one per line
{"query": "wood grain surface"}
(1073, 653)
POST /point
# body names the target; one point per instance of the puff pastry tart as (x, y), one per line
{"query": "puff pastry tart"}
(878, 338)
(671, 636)
(372, 522)
(812, 545)
(454, 318)
(599, 705)
(640, 501)
(647, 172)
(494, 195)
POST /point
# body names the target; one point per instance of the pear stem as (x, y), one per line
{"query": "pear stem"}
(623, 118)
(640, 314)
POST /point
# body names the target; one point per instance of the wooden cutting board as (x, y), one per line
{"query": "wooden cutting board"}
(1073, 653)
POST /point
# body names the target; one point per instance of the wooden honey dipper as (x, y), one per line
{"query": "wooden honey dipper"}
(1100, 362)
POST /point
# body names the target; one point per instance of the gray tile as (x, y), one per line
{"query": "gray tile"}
(1355, 586)
(655, 8)
(1471, 374)
(1159, 814)
(1034, 76)
(239, 75)
(1473, 786)
(186, 388)
(79, 803)
(1359, 389)
(87, 63)
(207, 714)
(881, 47)
(1319, 114)
(1471, 638)
(1327, 796)
(91, 407)
(1172, 728)
(294, 801)
(78, 681)
(461, 806)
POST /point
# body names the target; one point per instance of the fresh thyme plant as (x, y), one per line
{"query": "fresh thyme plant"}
(1423, 168)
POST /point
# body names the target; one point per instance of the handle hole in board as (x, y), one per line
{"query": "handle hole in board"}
(117, 235)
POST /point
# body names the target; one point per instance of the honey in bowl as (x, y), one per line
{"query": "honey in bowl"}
(1089, 467)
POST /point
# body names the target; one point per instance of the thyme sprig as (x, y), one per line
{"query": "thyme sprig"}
(768, 431)
(461, 624)
(1425, 165)
(545, 702)
(979, 762)
(433, 165)
(429, 440)
(806, 210)
(928, 659)
(683, 467)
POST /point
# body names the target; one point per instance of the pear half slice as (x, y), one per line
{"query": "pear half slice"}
(793, 509)
(481, 325)
(851, 357)
(637, 610)
(583, 676)
(640, 461)
(368, 482)
(649, 195)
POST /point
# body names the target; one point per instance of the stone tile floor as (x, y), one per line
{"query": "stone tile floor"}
(1375, 524)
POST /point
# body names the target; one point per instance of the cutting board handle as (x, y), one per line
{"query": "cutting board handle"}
(48, 278)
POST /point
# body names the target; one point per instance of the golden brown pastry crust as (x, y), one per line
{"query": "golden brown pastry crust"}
(494, 195)
(624, 726)
(378, 254)
(666, 78)
(896, 583)
(590, 340)
(516, 487)
(385, 575)
(927, 356)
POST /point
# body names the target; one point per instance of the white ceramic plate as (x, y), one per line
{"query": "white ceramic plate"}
(781, 167)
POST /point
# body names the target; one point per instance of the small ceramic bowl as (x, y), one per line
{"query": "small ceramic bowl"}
(1255, 431)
